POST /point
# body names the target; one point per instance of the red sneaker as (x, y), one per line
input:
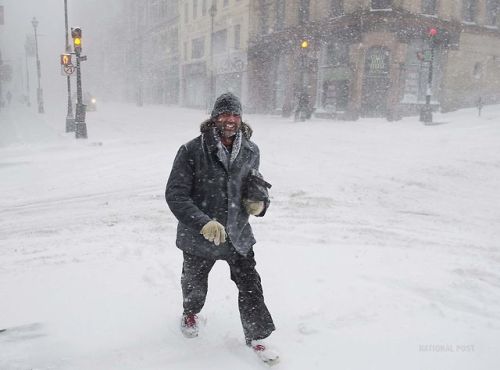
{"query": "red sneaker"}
(189, 325)
(264, 352)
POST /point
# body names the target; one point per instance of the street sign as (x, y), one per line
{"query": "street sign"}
(67, 70)
(424, 55)
(83, 58)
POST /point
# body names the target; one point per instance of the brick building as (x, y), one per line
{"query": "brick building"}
(371, 58)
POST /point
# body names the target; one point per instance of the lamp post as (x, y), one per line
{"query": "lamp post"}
(70, 120)
(39, 91)
(212, 12)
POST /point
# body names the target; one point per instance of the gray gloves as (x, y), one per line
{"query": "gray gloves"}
(214, 231)
(253, 207)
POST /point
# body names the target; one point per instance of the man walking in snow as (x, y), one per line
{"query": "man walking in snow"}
(213, 188)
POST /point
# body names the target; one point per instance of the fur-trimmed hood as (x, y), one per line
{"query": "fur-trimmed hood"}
(245, 128)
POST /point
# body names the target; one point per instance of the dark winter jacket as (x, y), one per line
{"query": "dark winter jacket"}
(201, 188)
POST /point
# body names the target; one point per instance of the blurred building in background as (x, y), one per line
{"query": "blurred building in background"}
(371, 58)
(213, 39)
(350, 58)
(152, 55)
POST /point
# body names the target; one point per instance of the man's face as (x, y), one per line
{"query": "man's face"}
(228, 124)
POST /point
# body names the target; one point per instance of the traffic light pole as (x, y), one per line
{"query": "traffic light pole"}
(80, 125)
(426, 110)
(70, 120)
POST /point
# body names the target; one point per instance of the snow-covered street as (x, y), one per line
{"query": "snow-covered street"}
(380, 249)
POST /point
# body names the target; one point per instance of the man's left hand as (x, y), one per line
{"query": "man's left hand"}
(253, 207)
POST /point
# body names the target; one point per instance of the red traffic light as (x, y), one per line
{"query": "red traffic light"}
(433, 32)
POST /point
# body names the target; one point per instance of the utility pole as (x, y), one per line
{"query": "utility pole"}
(39, 91)
(70, 120)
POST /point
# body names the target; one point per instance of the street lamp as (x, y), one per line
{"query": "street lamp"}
(39, 91)
(212, 12)
(70, 120)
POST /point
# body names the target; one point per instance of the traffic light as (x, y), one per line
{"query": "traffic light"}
(76, 34)
(66, 59)
(304, 44)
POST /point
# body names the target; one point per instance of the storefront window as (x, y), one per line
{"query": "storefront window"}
(492, 12)
(469, 11)
(417, 72)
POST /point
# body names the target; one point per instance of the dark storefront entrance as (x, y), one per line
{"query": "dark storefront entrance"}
(376, 82)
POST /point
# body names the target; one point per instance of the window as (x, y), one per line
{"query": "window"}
(381, 4)
(219, 41)
(185, 51)
(469, 11)
(186, 11)
(237, 36)
(336, 8)
(337, 54)
(303, 11)
(280, 15)
(204, 7)
(198, 48)
(429, 7)
(492, 12)
(225, 3)
(263, 17)
(195, 9)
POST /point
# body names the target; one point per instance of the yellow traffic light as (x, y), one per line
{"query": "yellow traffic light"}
(77, 41)
(304, 44)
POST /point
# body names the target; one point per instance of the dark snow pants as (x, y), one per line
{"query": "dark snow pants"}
(255, 317)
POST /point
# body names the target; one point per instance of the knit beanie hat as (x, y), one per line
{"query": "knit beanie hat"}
(226, 103)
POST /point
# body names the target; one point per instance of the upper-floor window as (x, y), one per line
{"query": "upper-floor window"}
(204, 7)
(429, 7)
(303, 11)
(263, 17)
(219, 41)
(280, 14)
(469, 10)
(492, 7)
(198, 48)
(337, 54)
(336, 8)
(186, 12)
(381, 4)
(237, 36)
(225, 3)
(195, 9)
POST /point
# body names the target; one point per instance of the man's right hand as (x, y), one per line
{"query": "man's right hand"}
(214, 232)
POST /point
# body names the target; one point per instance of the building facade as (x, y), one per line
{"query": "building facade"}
(152, 56)
(213, 39)
(372, 58)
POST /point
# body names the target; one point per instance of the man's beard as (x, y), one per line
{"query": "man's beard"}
(226, 133)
